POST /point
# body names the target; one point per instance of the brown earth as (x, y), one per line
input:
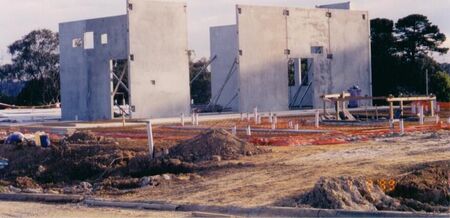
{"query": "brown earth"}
(213, 143)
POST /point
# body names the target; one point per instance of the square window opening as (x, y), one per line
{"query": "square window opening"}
(89, 40)
(316, 49)
(77, 42)
(104, 39)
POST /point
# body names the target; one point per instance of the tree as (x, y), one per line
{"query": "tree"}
(418, 37)
(440, 86)
(35, 60)
(201, 87)
(384, 61)
(401, 54)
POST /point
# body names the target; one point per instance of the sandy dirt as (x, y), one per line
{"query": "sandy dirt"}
(279, 177)
(34, 210)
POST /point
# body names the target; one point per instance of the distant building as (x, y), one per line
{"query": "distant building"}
(279, 59)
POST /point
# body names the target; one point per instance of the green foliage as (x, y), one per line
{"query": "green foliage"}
(440, 86)
(201, 87)
(35, 60)
(401, 54)
(417, 37)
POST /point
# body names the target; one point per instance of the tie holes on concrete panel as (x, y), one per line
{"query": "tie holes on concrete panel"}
(316, 49)
(89, 40)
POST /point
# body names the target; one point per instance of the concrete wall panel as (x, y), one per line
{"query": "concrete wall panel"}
(159, 73)
(85, 73)
(224, 44)
(263, 64)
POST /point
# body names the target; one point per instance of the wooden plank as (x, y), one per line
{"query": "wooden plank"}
(418, 98)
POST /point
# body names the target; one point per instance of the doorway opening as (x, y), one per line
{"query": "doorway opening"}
(120, 93)
(300, 73)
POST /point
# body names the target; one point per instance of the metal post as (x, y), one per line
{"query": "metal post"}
(391, 110)
(242, 116)
(193, 118)
(249, 130)
(123, 119)
(150, 139)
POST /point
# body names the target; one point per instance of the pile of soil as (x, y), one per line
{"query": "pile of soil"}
(213, 143)
(26, 183)
(350, 194)
(82, 137)
(425, 188)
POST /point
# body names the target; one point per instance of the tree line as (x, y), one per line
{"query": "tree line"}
(402, 58)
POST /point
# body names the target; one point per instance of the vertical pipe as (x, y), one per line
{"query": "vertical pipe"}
(317, 118)
(182, 119)
(275, 119)
(259, 119)
(196, 119)
(249, 130)
(270, 117)
(432, 108)
(421, 115)
(255, 115)
(376, 112)
(402, 127)
(438, 119)
(193, 118)
(242, 116)
(123, 119)
(234, 130)
(248, 117)
(273, 126)
(391, 110)
(296, 127)
(150, 139)
(401, 107)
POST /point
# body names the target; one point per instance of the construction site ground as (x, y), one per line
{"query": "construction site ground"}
(292, 167)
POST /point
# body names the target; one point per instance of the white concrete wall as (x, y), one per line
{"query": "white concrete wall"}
(224, 45)
(265, 33)
(158, 41)
(85, 74)
(263, 65)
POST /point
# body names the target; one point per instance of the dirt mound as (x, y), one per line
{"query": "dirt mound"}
(349, 193)
(428, 184)
(82, 137)
(26, 183)
(213, 143)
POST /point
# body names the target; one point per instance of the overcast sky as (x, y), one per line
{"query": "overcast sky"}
(18, 17)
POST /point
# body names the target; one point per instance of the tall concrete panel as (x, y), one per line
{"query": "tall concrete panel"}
(263, 64)
(159, 67)
(85, 73)
(225, 70)
(350, 46)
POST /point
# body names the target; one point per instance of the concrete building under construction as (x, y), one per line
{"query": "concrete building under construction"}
(278, 58)
(138, 59)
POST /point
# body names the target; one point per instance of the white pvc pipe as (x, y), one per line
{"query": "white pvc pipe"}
(421, 115)
(273, 126)
(402, 127)
(193, 118)
(196, 119)
(317, 119)
(255, 115)
(182, 119)
(150, 139)
(296, 127)
(249, 131)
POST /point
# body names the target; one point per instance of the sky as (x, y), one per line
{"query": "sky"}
(18, 17)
